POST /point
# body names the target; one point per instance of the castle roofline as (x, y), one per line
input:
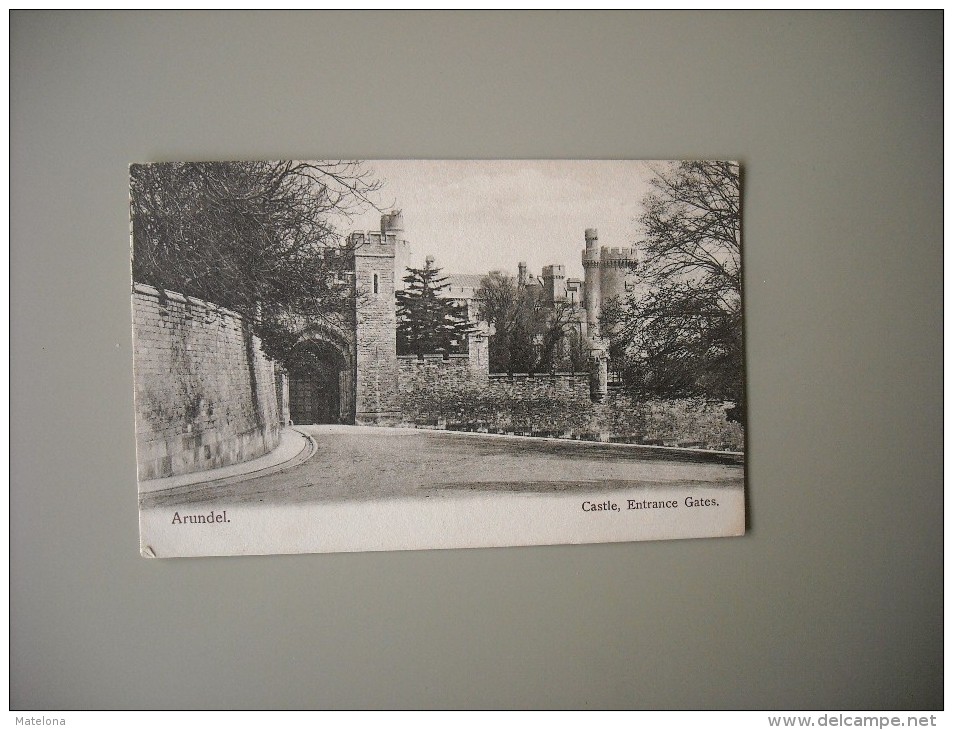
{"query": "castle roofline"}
(465, 280)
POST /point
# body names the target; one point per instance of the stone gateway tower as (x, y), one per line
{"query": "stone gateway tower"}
(376, 321)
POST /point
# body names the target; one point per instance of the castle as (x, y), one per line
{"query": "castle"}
(352, 376)
(608, 272)
(207, 394)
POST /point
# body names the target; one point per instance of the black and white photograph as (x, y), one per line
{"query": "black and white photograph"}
(347, 355)
(478, 360)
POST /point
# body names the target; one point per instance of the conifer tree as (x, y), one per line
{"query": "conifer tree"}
(427, 322)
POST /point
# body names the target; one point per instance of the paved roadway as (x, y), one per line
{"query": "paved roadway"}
(354, 463)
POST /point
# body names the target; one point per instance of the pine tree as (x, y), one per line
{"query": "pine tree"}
(428, 323)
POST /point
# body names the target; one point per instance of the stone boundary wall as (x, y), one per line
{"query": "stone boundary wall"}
(440, 393)
(549, 405)
(435, 375)
(206, 395)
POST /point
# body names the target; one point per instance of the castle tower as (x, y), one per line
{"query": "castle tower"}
(554, 283)
(608, 273)
(393, 221)
(615, 271)
(592, 287)
(376, 323)
(522, 276)
(392, 225)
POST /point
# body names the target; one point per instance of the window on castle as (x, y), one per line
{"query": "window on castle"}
(376, 284)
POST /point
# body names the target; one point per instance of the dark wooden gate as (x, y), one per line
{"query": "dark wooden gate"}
(315, 397)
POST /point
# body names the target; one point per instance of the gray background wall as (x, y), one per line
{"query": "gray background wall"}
(833, 599)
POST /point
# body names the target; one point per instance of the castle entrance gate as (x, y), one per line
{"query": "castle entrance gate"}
(320, 385)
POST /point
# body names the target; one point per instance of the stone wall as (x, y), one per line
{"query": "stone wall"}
(206, 396)
(550, 405)
(434, 392)
(432, 374)
(450, 391)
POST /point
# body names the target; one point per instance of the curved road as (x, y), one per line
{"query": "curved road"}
(364, 463)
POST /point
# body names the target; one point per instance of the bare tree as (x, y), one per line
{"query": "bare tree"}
(692, 224)
(256, 237)
(511, 308)
(530, 332)
(684, 337)
(561, 338)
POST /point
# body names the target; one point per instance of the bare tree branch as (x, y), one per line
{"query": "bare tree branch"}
(256, 237)
(683, 337)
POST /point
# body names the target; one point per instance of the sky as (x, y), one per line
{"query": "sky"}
(475, 216)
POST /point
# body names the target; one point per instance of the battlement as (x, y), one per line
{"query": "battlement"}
(554, 272)
(617, 253)
(370, 243)
(591, 257)
(606, 256)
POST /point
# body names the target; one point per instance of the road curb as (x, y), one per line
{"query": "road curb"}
(613, 444)
(202, 480)
(737, 457)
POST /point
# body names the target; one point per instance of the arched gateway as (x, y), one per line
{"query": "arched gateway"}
(321, 379)
(346, 372)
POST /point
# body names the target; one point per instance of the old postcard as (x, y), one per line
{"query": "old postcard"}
(397, 354)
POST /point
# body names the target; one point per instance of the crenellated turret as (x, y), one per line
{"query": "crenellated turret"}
(554, 283)
(592, 288)
(607, 272)
(392, 228)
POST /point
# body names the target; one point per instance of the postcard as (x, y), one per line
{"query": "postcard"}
(353, 355)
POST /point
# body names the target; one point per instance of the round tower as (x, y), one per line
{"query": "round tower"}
(592, 288)
(616, 266)
(392, 229)
(393, 222)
